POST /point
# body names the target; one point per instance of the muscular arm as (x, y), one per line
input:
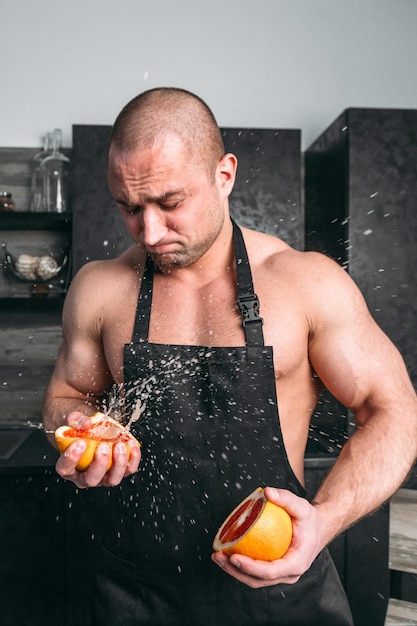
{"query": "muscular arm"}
(364, 370)
(80, 380)
(81, 375)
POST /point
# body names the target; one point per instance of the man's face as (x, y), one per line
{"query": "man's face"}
(169, 202)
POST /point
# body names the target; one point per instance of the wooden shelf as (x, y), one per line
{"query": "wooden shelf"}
(31, 304)
(27, 220)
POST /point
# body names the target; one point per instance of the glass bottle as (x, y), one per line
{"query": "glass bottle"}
(56, 170)
(36, 186)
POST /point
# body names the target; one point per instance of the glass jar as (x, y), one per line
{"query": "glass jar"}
(6, 201)
(36, 186)
(56, 178)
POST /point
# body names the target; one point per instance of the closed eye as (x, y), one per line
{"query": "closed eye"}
(168, 206)
(134, 211)
(128, 208)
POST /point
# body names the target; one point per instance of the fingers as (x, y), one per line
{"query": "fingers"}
(134, 461)
(97, 474)
(110, 464)
(294, 505)
(65, 466)
(123, 464)
(255, 574)
(304, 547)
(78, 420)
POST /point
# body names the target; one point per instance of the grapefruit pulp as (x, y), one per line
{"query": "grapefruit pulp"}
(256, 528)
(102, 429)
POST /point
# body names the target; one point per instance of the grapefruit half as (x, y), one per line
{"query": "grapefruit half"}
(256, 528)
(102, 429)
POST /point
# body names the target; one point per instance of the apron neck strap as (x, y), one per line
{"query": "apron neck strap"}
(248, 301)
(143, 310)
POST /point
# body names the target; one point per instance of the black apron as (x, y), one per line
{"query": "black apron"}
(210, 434)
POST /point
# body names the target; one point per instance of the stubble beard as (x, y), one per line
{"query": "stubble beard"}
(186, 256)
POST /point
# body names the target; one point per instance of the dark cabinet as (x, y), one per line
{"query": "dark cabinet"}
(51, 532)
(358, 551)
(32, 550)
(360, 206)
(360, 199)
(32, 531)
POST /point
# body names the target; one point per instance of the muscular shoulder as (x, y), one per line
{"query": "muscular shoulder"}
(310, 281)
(99, 287)
(274, 255)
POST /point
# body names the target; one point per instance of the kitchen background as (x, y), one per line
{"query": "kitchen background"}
(265, 64)
(317, 85)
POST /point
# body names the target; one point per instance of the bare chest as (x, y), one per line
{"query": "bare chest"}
(209, 317)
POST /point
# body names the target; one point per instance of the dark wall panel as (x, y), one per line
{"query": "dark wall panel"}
(361, 209)
(267, 193)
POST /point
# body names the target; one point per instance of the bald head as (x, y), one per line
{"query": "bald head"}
(153, 115)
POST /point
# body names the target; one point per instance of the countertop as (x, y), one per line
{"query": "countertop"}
(25, 450)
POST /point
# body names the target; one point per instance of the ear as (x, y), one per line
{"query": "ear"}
(226, 173)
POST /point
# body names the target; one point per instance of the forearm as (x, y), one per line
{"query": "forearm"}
(372, 466)
(68, 392)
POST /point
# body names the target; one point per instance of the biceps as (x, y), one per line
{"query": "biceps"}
(81, 369)
(358, 364)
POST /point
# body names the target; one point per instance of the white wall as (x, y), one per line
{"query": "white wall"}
(259, 63)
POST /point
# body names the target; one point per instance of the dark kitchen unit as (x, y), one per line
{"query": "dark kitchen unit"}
(360, 209)
(360, 204)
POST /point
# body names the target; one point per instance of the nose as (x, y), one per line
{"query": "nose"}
(154, 226)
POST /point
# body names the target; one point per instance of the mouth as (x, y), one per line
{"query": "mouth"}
(158, 251)
(167, 256)
(162, 248)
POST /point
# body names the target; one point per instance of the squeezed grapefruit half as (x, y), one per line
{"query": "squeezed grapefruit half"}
(103, 429)
(256, 528)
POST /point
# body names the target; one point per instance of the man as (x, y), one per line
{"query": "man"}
(175, 321)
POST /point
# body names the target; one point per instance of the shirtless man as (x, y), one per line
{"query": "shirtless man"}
(212, 433)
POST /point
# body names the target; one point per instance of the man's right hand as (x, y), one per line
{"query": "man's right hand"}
(96, 475)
